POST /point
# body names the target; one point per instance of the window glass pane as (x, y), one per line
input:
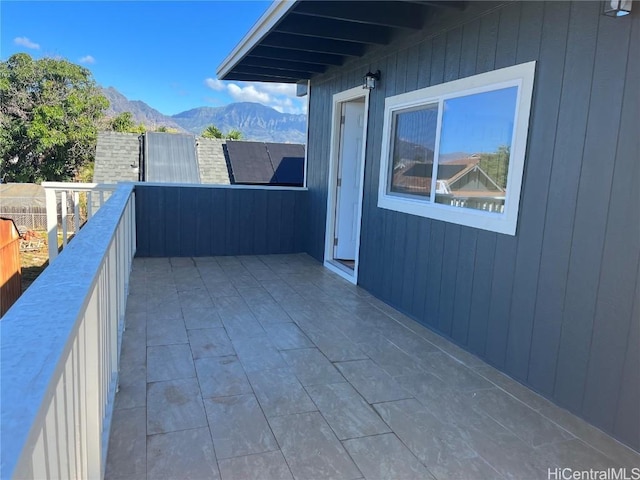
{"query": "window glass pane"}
(414, 138)
(475, 145)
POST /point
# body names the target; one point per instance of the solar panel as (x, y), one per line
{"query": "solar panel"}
(171, 158)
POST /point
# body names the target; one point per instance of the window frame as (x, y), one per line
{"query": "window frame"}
(521, 76)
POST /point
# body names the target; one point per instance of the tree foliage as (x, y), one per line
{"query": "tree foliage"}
(165, 129)
(234, 135)
(211, 132)
(214, 132)
(48, 114)
(496, 165)
(123, 122)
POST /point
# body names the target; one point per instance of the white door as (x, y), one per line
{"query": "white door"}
(348, 182)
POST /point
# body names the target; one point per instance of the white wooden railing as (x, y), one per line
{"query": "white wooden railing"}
(95, 195)
(60, 347)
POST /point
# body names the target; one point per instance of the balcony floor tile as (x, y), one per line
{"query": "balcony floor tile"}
(265, 466)
(271, 367)
(184, 454)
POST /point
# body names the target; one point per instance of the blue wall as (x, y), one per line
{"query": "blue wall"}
(558, 305)
(192, 221)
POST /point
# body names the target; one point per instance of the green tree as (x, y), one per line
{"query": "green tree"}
(165, 129)
(211, 132)
(49, 109)
(123, 122)
(496, 164)
(214, 132)
(234, 135)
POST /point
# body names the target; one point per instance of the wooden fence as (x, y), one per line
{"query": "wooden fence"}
(10, 272)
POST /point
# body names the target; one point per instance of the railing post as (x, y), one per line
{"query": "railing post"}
(52, 222)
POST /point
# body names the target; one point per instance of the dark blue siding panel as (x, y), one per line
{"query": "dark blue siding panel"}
(171, 222)
(628, 414)
(218, 212)
(554, 305)
(421, 268)
(481, 292)
(487, 39)
(274, 220)
(155, 214)
(434, 280)
(188, 222)
(233, 229)
(449, 276)
(550, 41)
(508, 31)
(464, 284)
(452, 55)
(260, 221)
(407, 259)
(205, 221)
(591, 213)
(563, 190)
(619, 272)
(469, 53)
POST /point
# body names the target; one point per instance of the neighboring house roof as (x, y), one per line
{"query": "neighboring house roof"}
(463, 177)
(179, 158)
(117, 157)
(21, 195)
(170, 158)
(296, 40)
(211, 161)
(266, 163)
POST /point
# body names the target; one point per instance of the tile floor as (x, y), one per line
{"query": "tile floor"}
(271, 367)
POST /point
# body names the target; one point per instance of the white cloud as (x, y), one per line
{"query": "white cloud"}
(25, 42)
(215, 84)
(88, 59)
(280, 96)
(248, 94)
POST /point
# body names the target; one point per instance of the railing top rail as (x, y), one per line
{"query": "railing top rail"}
(37, 331)
(79, 186)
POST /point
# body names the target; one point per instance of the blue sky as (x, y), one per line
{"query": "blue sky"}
(478, 123)
(163, 53)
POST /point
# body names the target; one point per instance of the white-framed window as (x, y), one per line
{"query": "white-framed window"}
(455, 151)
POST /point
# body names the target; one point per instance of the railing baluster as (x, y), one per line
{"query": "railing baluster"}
(76, 211)
(63, 208)
(89, 205)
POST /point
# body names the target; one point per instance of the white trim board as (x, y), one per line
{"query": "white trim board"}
(260, 29)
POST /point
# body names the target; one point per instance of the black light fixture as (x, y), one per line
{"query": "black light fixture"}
(370, 79)
(617, 8)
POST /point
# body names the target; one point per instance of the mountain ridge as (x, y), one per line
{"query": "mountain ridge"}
(256, 122)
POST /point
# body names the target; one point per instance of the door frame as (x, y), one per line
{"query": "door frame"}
(329, 262)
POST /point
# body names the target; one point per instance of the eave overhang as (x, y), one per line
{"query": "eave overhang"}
(296, 40)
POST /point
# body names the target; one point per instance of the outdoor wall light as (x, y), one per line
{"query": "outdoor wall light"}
(617, 8)
(370, 79)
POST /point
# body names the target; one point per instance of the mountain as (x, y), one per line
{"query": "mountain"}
(142, 113)
(254, 120)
